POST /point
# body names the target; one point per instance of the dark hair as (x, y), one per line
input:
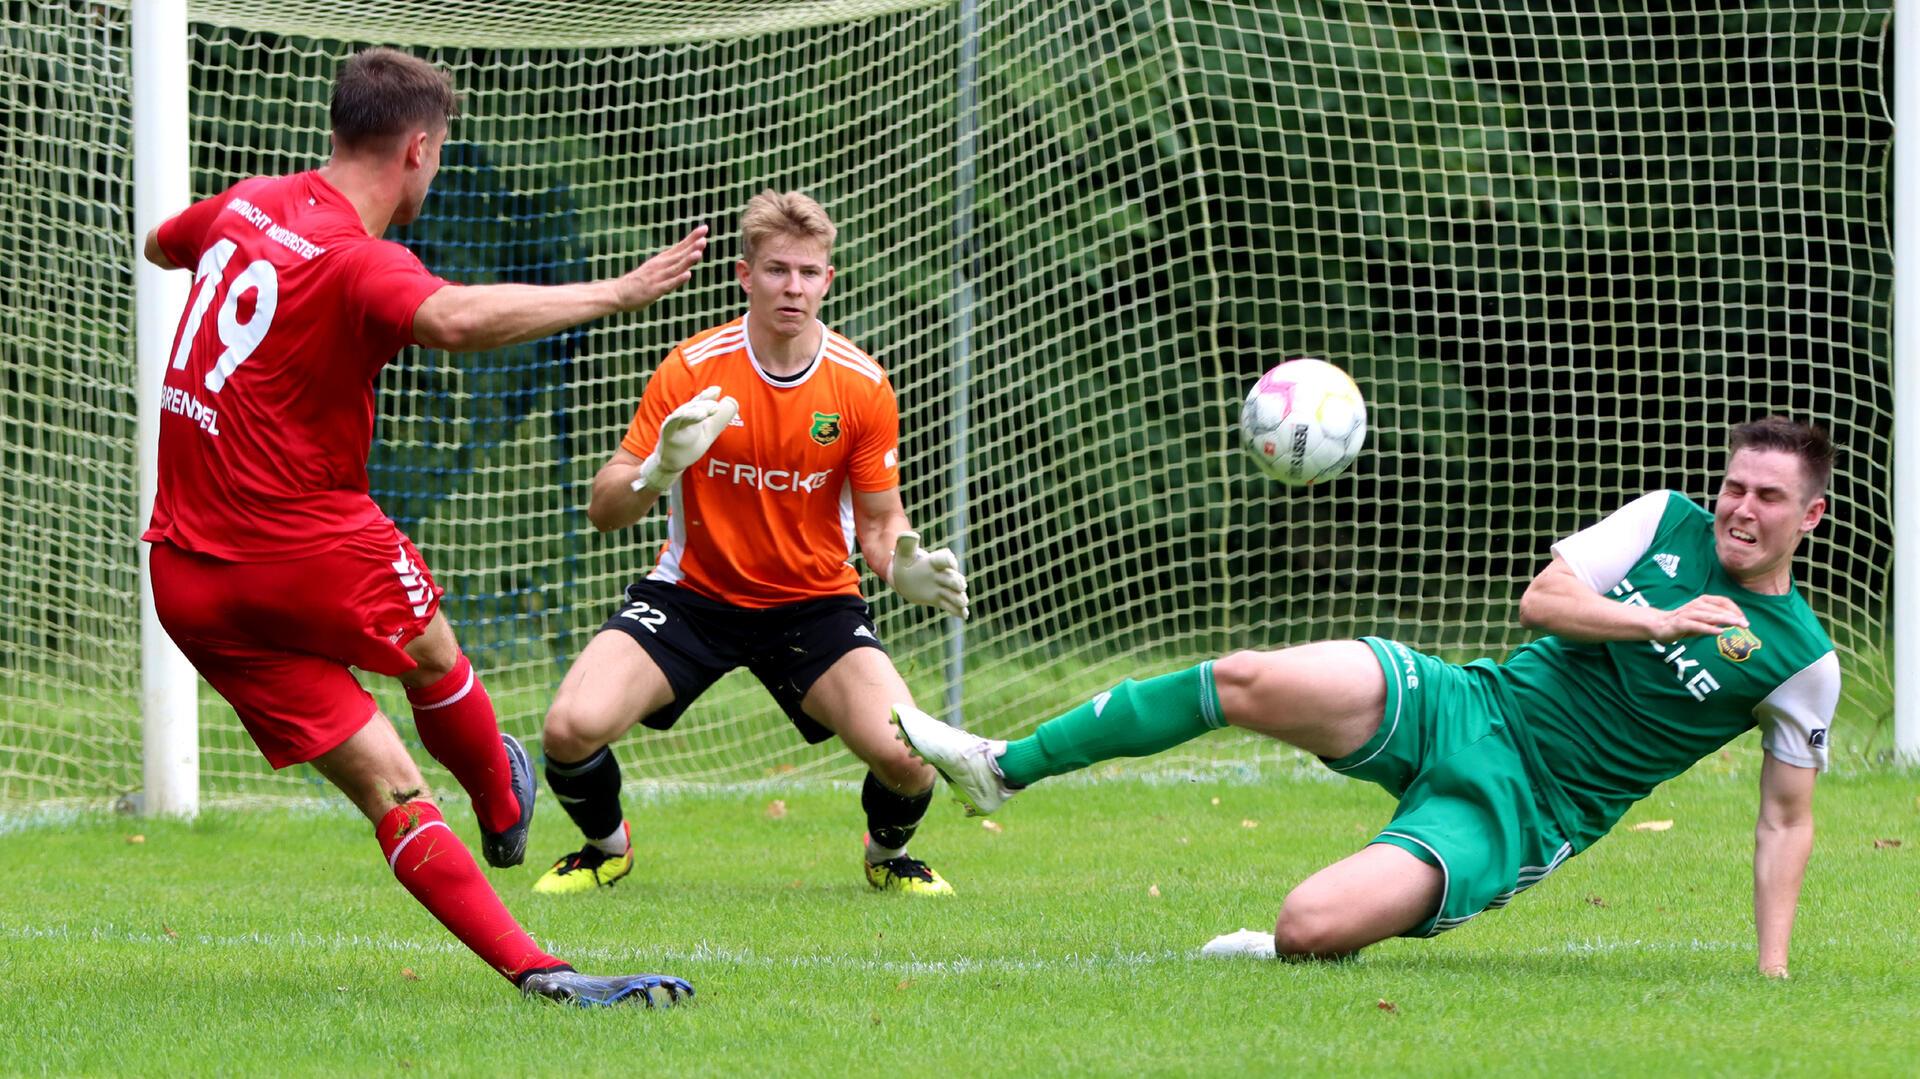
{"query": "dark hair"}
(1804, 440)
(382, 93)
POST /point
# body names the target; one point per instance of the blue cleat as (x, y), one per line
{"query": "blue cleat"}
(569, 986)
(509, 848)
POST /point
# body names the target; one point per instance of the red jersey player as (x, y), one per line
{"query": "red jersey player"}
(272, 567)
(778, 441)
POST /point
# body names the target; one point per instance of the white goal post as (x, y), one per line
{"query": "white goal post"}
(169, 698)
(1905, 365)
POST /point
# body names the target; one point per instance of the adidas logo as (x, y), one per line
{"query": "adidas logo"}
(1669, 563)
(736, 421)
(1100, 702)
(862, 631)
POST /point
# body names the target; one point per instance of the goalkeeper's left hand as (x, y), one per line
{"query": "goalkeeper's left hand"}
(929, 578)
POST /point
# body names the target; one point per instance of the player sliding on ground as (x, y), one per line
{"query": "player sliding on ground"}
(1671, 630)
(272, 567)
(778, 442)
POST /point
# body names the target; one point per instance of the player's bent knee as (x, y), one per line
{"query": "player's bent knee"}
(436, 651)
(1236, 678)
(902, 772)
(574, 731)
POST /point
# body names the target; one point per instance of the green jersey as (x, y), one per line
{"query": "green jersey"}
(1602, 724)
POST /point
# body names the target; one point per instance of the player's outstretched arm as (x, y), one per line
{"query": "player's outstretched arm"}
(153, 253)
(1782, 842)
(928, 578)
(627, 486)
(1560, 603)
(472, 318)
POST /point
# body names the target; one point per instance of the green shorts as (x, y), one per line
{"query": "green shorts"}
(1467, 802)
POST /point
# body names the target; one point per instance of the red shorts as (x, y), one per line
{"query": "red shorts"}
(276, 638)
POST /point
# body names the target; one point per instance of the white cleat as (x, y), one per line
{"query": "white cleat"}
(964, 760)
(1246, 944)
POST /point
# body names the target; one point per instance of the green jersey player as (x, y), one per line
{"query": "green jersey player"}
(1670, 631)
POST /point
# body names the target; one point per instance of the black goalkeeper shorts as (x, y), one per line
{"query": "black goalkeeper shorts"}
(695, 640)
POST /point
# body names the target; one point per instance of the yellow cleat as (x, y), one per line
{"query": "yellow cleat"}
(585, 870)
(908, 876)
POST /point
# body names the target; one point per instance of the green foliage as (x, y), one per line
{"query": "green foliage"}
(1559, 244)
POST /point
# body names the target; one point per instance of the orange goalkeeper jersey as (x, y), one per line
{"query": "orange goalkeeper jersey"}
(766, 517)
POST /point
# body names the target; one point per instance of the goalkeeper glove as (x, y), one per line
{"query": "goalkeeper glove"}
(929, 578)
(685, 437)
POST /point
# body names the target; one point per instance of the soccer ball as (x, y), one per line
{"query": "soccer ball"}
(1304, 422)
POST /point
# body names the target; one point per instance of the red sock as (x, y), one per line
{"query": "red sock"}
(434, 865)
(455, 719)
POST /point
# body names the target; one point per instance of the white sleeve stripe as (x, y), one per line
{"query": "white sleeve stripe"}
(870, 370)
(840, 346)
(1602, 553)
(725, 341)
(1580, 570)
(1794, 718)
(873, 375)
(1797, 760)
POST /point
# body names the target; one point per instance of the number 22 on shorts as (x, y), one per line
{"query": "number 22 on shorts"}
(646, 614)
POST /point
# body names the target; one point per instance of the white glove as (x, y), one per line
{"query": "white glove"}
(929, 578)
(685, 437)
(1249, 943)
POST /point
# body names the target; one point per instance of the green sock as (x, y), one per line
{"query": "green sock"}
(1133, 719)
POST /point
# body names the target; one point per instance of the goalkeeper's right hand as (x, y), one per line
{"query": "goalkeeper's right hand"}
(685, 437)
(929, 578)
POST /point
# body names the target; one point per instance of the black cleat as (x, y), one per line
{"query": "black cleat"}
(600, 991)
(509, 848)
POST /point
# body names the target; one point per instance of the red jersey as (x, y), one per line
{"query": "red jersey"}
(766, 517)
(267, 411)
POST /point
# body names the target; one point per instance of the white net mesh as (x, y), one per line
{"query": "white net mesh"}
(1560, 252)
(69, 664)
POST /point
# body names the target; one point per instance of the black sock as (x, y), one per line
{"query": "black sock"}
(589, 791)
(891, 818)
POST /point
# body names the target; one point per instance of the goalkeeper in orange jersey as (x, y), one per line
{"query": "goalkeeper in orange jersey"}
(777, 442)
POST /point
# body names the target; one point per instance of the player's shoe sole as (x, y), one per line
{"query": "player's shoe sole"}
(586, 870)
(964, 760)
(602, 991)
(509, 848)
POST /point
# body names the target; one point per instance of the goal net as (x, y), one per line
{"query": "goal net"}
(1559, 250)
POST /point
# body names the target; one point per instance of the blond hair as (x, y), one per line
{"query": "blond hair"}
(772, 213)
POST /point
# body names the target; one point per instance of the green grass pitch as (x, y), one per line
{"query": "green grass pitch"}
(275, 942)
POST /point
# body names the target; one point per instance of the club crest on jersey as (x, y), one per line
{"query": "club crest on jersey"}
(826, 428)
(1738, 643)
